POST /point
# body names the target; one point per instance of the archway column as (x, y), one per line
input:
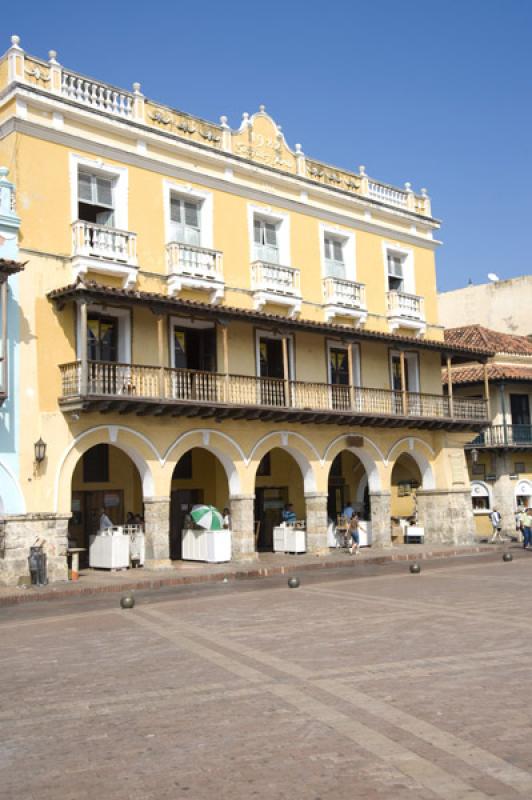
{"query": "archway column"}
(242, 527)
(157, 531)
(446, 515)
(381, 523)
(317, 522)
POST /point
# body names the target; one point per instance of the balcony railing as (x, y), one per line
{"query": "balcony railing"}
(401, 304)
(101, 241)
(340, 292)
(131, 382)
(198, 262)
(96, 95)
(504, 436)
(274, 278)
(387, 194)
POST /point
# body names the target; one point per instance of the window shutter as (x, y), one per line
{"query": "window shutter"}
(175, 209)
(191, 214)
(271, 234)
(84, 187)
(104, 192)
(338, 253)
(257, 231)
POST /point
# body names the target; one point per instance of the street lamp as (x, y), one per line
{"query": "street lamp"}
(474, 455)
(40, 451)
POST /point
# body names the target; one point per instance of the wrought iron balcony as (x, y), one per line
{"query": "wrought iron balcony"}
(105, 386)
(191, 267)
(502, 436)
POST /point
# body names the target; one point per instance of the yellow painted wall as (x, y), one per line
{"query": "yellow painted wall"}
(209, 476)
(285, 472)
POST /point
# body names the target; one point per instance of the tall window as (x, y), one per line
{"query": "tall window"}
(334, 257)
(96, 199)
(102, 338)
(185, 221)
(265, 238)
(396, 280)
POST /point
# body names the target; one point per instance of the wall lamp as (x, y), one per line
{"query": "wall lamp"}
(40, 451)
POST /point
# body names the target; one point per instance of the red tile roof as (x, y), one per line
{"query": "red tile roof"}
(99, 292)
(485, 338)
(496, 372)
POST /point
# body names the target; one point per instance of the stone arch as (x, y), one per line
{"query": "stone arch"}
(11, 500)
(139, 449)
(226, 450)
(412, 447)
(369, 456)
(296, 445)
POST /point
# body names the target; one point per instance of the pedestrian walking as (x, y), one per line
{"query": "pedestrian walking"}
(348, 511)
(525, 520)
(496, 521)
(354, 533)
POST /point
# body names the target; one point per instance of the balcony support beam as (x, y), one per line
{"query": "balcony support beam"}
(403, 381)
(286, 372)
(450, 386)
(83, 347)
(487, 389)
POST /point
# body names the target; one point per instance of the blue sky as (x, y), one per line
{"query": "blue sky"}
(436, 93)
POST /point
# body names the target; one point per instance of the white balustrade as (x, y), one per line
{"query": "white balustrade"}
(97, 95)
(274, 278)
(338, 291)
(101, 241)
(402, 304)
(387, 194)
(198, 262)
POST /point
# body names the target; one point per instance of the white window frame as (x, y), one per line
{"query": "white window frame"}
(348, 249)
(332, 345)
(206, 216)
(123, 316)
(485, 492)
(278, 218)
(269, 335)
(178, 322)
(119, 176)
(410, 358)
(407, 256)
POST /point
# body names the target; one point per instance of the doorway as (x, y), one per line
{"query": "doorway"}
(181, 502)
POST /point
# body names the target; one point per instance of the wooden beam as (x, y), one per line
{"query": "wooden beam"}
(450, 386)
(83, 346)
(487, 390)
(403, 381)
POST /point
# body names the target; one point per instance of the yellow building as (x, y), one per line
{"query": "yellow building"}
(208, 315)
(500, 458)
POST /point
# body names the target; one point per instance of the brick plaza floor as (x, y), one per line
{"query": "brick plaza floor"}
(369, 683)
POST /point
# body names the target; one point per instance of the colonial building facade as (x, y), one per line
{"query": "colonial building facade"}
(499, 459)
(208, 315)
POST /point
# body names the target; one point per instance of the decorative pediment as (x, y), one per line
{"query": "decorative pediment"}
(260, 139)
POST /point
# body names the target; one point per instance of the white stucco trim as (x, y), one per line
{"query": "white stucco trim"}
(285, 436)
(407, 254)
(405, 445)
(410, 442)
(348, 248)
(481, 489)
(344, 436)
(111, 430)
(280, 218)
(231, 472)
(100, 167)
(204, 197)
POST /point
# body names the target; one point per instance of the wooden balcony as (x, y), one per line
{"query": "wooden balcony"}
(504, 436)
(145, 390)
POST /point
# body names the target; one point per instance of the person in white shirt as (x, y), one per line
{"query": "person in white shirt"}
(105, 522)
(495, 519)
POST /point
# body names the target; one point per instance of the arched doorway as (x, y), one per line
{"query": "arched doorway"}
(278, 481)
(406, 479)
(104, 478)
(198, 477)
(348, 483)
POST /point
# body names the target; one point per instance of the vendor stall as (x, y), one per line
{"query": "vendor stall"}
(202, 545)
(109, 549)
(290, 538)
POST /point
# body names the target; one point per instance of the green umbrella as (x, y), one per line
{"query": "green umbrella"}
(207, 517)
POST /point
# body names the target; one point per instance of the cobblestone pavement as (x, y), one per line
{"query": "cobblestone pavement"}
(368, 683)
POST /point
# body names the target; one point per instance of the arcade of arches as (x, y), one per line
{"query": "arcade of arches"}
(208, 467)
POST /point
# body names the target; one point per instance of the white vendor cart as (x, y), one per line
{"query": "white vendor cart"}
(205, 545)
